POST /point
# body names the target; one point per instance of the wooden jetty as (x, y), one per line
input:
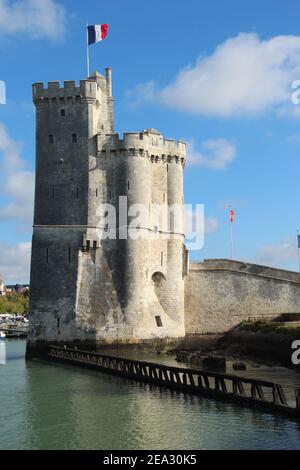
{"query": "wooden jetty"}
(246, 391)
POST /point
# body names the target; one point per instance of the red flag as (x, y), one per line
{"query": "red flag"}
(231, 215)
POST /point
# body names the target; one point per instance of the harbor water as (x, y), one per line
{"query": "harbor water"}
(50, 406)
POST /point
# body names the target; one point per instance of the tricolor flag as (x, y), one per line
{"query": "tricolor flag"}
(298, 240)
(231, 215)
(97, 33)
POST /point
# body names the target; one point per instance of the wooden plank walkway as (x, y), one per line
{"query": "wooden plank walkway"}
(246, 391)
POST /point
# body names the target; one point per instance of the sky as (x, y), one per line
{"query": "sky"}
(216, 74)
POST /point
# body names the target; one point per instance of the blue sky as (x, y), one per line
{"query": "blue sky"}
(216, 74)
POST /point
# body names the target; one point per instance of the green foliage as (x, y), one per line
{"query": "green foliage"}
(250, 326)
(14, 304)
(268, 327)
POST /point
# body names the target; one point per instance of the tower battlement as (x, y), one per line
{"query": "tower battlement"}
(91, 88)
(149, 143)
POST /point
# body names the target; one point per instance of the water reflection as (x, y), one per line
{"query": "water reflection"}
(2, 353)
(46, 406)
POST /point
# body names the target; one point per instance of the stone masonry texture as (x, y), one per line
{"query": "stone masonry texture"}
(220, 294)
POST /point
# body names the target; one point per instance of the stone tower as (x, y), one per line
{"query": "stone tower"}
(89, 290)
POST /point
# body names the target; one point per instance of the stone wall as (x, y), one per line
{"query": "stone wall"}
(220, 293)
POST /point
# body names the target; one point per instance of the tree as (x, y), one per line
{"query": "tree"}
(14, 303)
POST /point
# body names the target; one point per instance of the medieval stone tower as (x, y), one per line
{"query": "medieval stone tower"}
(93, 291)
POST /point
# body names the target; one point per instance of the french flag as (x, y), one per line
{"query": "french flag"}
(97, 33)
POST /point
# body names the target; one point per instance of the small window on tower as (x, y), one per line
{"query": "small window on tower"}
(158, 321)
(51, 139)
(74, 138)
(62, 112)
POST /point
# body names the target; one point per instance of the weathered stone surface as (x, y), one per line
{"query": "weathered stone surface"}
(220, 294)
(181, 356)
(214, 363)
(195, 359)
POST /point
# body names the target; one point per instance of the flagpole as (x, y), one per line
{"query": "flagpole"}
(231, 240)
(87, 50)
(298, 249)
(231, 235)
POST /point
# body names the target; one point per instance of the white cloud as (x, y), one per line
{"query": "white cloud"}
(217, 154)
(35, 18)
(15, 262)
(141, 93)
(278, 254)
(18, 183)
(243, 76)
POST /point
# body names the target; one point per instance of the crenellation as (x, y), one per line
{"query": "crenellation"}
(86, 89)
(140, 143)
(54, 88)
(70, 86)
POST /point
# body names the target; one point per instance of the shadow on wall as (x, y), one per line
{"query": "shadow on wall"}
(159, 280)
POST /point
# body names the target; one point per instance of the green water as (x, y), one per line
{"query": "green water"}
(44, 406)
